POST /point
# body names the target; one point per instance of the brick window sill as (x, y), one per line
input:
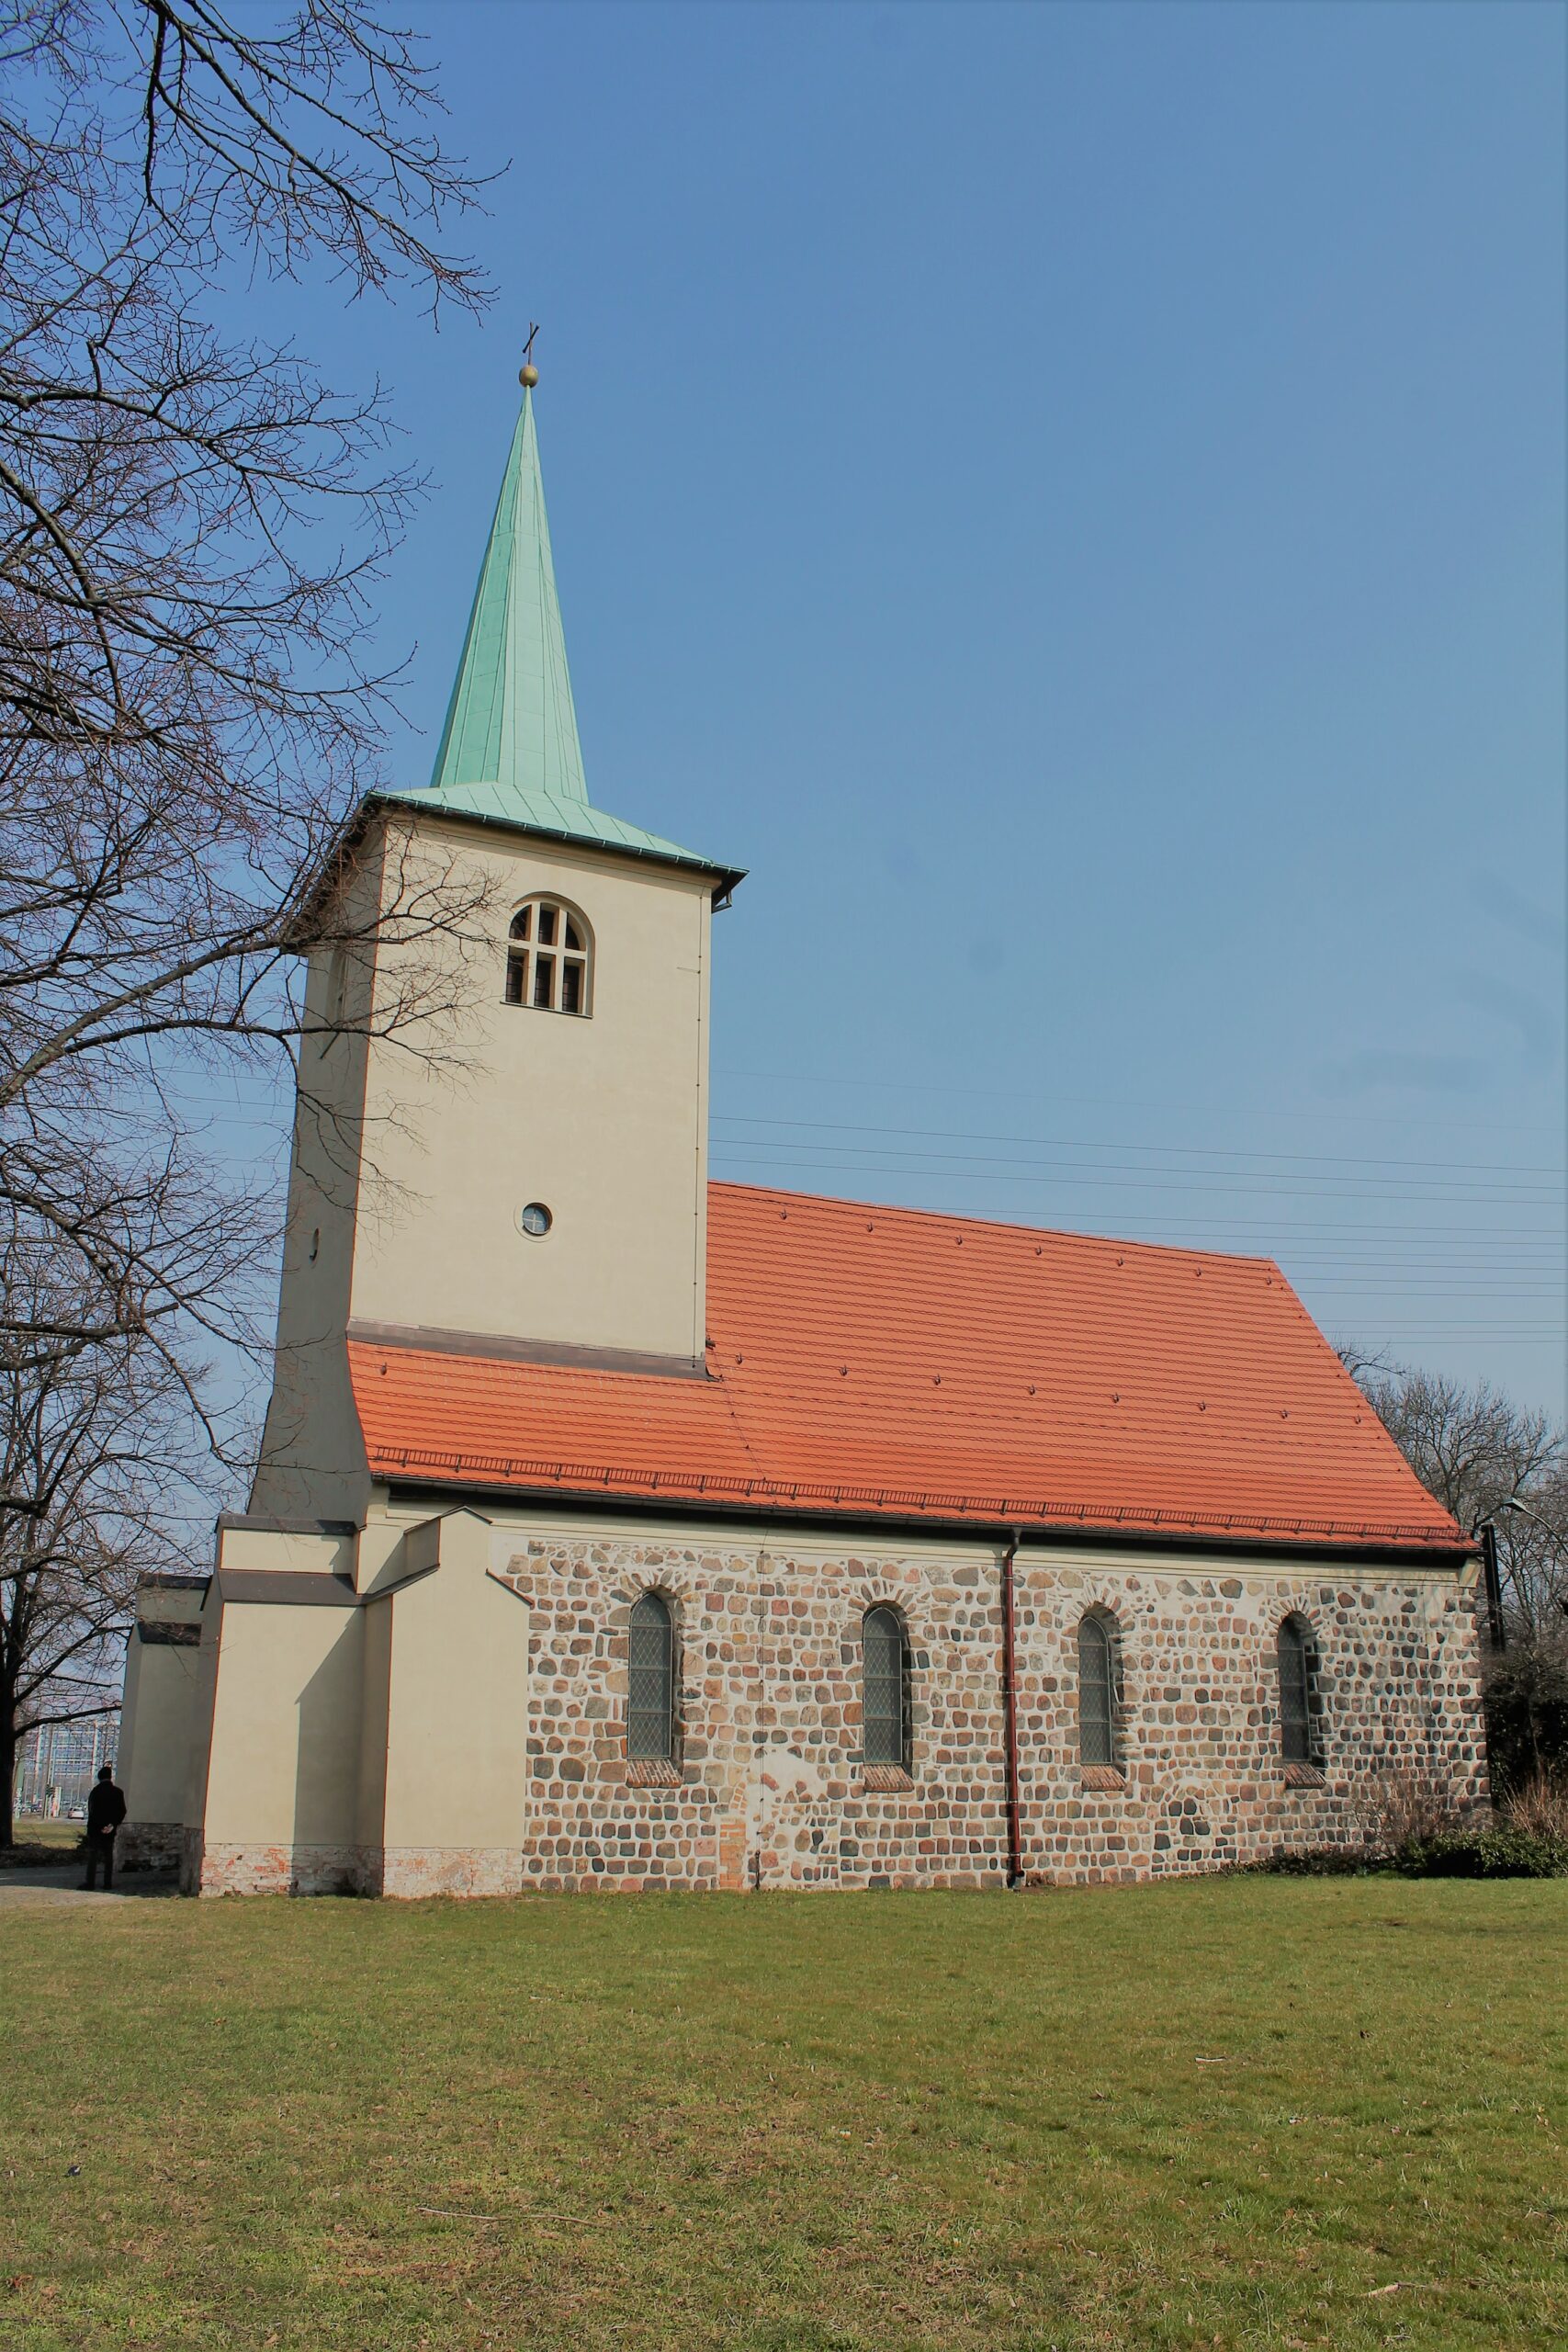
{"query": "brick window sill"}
(1108, 1777)
(1304, 1776)
(652, 1773)
(886, 1779)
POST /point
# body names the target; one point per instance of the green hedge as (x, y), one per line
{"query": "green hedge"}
(1499, 1852)
(1320, 1861)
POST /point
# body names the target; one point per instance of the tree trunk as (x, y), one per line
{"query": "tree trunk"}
(9, 1748)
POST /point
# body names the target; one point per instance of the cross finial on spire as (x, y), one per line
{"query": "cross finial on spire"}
(528, 375)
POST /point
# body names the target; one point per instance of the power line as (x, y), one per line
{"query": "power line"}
(985, 1171)
(1283, 1181)
(1187, 1234)
(1128, 1103)
(1075, 1143)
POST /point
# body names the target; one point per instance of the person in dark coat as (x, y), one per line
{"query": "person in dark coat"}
(106, 1810)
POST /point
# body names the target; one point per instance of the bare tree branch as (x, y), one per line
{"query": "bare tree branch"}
(192, 527)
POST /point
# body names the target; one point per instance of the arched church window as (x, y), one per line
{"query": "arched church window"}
(650, 1682)
(1297, 1674)
(1100, 1691)
(885, 1702)
(549, 959)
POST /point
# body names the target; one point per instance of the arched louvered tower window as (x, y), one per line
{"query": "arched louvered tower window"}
(1297, 1674)
(650, 1682)
(1100, 1690)
(884, 1714)
(549, 959)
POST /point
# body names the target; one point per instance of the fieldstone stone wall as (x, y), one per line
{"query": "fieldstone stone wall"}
(771, 1790)
(1396, 1690)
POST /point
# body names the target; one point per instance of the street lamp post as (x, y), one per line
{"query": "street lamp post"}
(1525, 1511)
(1487, 1533)
(1545, 1526)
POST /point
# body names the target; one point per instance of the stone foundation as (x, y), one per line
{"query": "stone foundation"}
(273, 1870)
(413, 1871)
(406, 1872)
(150, 1846)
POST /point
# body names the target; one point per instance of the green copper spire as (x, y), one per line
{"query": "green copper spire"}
(511, 721)
(509, 753)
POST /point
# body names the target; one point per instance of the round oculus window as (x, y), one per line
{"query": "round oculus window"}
(535, 1220)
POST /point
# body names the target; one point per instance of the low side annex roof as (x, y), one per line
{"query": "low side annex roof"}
(893, 1362)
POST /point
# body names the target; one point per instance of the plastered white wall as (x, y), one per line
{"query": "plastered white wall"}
(458, 1704)
(603, 1118)
(158, 1729)
(284, 1759)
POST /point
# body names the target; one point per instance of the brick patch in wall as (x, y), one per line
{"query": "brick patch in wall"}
(732, 1872)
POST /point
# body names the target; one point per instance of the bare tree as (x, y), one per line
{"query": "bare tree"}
(1487, 1459)
(188, 530)
(1478, 1453)
(191, 527)
(96, 1454)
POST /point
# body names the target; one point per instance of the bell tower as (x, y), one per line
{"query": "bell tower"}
(530, 1177)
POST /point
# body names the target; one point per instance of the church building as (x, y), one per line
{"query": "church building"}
(616, 1528)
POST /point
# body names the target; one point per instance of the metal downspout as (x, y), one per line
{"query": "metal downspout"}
(1009, 1715)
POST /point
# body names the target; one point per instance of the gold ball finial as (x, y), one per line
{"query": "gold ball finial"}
(528, 377)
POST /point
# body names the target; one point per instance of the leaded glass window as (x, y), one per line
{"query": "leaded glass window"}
(885, 1698)
(1295, 1692)
(650, 1683)
(1098, 1691)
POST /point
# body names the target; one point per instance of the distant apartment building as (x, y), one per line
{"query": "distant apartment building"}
(60, 1762)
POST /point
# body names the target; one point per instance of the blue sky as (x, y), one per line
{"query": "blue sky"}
(1073, 498)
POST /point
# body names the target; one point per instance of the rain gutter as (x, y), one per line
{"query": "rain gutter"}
(1009, 1714)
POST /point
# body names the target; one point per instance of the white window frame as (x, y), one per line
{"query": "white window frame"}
(537, 966)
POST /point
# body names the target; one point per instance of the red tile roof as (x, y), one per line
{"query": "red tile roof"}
(884, 1362)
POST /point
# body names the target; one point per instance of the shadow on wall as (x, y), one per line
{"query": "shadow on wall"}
(325, 1857)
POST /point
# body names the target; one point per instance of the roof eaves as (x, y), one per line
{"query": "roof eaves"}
(675, 1486)
(623, 843)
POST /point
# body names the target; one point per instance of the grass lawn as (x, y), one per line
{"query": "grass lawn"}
(64, 1836)
(1242, 2112)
